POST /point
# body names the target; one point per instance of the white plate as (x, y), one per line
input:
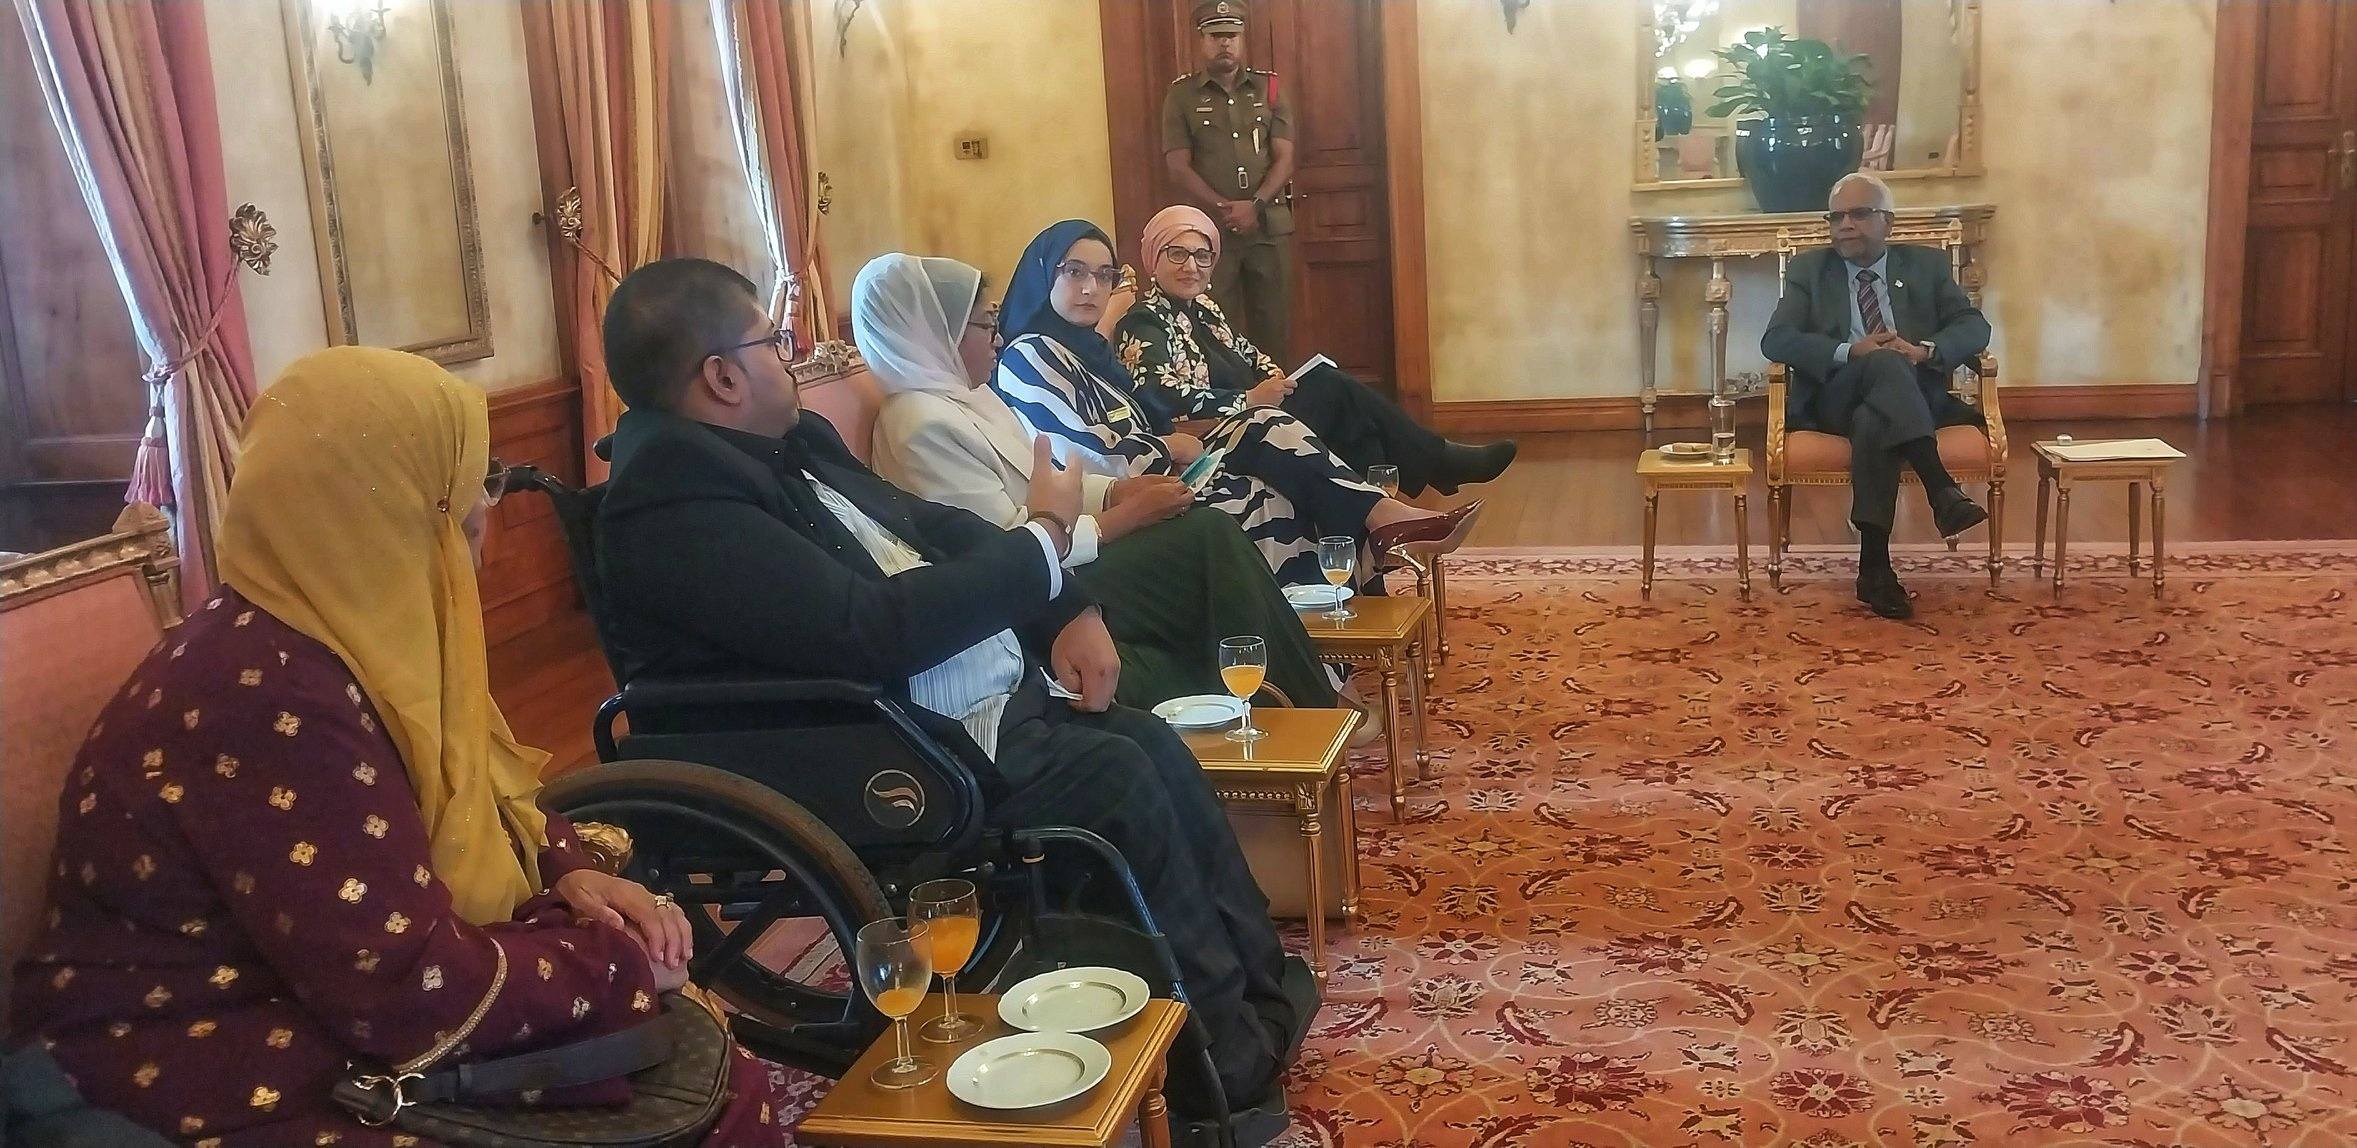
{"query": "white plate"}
(1028, 1070)
(1200, 711)
(1316, 597)
(1082, 999)
(1685, 450)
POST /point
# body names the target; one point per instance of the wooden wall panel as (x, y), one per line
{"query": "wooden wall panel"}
(71, 402)
(527, 576)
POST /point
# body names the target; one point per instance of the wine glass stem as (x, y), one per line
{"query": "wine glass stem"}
(1247, 714)
(900, 1038)
(949, 988)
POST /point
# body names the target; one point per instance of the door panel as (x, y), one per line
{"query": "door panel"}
(2297, 256)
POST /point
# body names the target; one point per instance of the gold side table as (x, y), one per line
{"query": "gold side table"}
(1295, 770)
(857, 1114)
(1659, 473)
(1386, 633)
(2058, 474)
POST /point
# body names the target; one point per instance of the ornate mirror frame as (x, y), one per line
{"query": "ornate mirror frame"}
(1965, 162)
(319, 175)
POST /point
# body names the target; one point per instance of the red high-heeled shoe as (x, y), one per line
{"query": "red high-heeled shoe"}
(1447, 530)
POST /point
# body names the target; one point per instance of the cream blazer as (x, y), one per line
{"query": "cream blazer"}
(938, 449)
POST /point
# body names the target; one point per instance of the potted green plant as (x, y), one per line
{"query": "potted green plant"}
(1799, 106)
(1673, 108)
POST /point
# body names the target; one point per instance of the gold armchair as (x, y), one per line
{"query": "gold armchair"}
(1813, 458)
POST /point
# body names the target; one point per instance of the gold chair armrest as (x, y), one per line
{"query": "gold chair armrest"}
(608, 846)
(1985, 367)
(1779, 378)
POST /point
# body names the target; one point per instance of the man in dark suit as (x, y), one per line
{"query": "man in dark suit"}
(738, 533)
(1872, 333)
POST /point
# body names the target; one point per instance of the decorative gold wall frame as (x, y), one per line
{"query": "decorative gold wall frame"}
(1964, 160)
(392, 192)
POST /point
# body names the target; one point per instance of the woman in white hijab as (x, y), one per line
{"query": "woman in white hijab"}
(1173, 580)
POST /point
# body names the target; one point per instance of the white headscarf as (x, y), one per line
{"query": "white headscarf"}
(907, 314)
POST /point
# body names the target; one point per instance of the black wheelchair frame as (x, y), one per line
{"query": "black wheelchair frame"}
(726, 816)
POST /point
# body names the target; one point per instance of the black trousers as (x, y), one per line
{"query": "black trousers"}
(1125, 775)
(1365, 428)
(1879, 402)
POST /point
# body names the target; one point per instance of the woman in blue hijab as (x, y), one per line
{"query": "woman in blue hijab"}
(1062, 379)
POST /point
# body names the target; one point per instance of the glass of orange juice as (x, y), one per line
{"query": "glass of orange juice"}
(1243, 662)
(954, 919)
(894, 960)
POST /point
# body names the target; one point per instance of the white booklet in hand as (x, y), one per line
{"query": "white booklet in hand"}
(1315, 361)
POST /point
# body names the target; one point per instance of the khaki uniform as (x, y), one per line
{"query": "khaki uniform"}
(1230, 138)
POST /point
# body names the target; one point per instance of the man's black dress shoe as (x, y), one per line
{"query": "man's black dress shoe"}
(1956, 512)
(1461, 464)
(1881, 592)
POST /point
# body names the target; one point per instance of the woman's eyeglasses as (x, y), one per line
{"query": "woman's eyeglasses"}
(780, 340)
(1854, 215)
(1079, 274)
(1202, 257)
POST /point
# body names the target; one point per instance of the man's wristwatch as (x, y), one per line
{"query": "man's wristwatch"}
(1061, 534)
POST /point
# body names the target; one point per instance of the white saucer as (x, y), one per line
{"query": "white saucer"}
(1316, 597)
(1082, 999)
(1200, 711)
(1028, 1070)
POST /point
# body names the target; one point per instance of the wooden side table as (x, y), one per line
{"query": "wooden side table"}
(1296, 769)
(1658, 474)
(858, 1114)
(2058, 474)
(1387, 633)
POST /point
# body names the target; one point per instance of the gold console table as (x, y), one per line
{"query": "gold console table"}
(1959, 229)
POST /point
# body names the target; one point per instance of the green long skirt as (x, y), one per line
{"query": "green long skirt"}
(1171, 591)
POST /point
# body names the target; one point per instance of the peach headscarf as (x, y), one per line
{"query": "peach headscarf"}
(344, 523)
(1170, 223)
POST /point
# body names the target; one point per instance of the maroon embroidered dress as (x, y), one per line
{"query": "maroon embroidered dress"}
(242, 904)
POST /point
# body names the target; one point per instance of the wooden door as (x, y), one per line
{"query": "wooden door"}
(2297, 306)
(72, 405)
(1328, 56)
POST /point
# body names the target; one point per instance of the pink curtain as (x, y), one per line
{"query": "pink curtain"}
(775, 66)
(130, 87)
(604, 106)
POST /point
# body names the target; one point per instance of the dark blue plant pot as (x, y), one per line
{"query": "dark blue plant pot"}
(1792, 164)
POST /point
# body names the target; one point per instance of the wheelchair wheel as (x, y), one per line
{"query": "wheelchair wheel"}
(775, 898)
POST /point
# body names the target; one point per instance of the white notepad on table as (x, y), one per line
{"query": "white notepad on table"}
(2114, 450)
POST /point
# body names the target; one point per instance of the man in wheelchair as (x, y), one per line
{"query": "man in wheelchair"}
(738, 534)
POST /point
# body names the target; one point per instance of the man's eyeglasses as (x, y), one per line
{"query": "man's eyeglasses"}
(1079, 274)
(780, 340)
(1202, 257)
(1854, 215)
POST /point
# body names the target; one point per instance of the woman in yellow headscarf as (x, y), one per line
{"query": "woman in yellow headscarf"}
(302, 836)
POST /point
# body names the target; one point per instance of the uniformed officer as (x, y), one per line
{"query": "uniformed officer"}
(1227, 138)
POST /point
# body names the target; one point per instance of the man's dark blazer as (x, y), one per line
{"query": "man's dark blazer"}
(1813, 319)
(706, 565)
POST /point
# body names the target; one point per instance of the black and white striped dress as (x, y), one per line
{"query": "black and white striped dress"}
(1278, 481)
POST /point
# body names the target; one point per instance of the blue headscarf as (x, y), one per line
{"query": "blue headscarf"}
(1026, 309)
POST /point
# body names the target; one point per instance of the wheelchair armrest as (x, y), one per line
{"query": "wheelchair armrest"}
(726, 690)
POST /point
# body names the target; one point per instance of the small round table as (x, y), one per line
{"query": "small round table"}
(1659, 473)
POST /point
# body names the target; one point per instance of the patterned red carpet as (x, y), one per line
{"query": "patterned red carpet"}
(2019, 872)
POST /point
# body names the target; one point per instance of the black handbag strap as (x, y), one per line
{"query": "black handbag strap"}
(634, 1049)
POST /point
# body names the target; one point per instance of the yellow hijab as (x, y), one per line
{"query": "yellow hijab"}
(356, 469)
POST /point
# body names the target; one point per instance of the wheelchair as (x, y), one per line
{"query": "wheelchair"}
(784, 813)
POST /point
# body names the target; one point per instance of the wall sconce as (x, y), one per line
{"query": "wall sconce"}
(358, 27)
